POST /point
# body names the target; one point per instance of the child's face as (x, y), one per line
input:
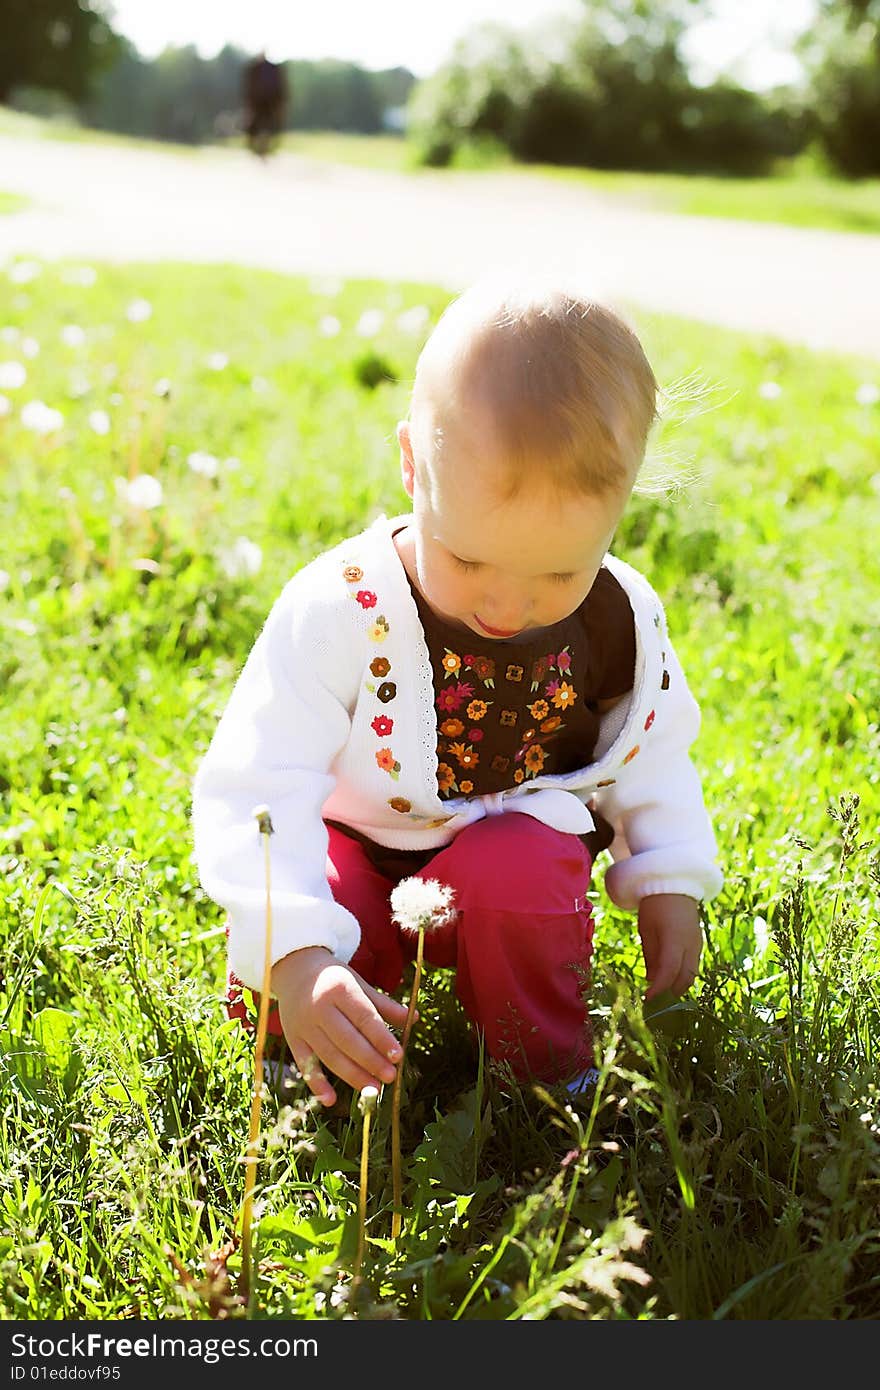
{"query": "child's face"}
(499, 567)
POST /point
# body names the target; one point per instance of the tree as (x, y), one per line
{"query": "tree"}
(58, 44)
(842, 56)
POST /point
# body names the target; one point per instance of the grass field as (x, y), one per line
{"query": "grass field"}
(174, 442)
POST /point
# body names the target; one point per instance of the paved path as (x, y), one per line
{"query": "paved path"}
(292, 214)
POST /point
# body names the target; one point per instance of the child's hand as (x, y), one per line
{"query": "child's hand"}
(330, 1015)
(672, 940)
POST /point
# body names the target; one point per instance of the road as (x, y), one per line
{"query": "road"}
(109, 202)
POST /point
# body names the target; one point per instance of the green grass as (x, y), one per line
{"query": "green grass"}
(729, 1167)
(11, 202)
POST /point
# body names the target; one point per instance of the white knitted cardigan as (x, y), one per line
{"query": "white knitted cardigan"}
(306, 732)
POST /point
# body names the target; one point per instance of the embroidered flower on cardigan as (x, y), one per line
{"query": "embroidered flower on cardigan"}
(452, 728)
(451, 663)
(483, 668)
(509, 717)
(514, 673)
(400, 804)
(386, 692)
(499, 763)
(445, 777)
(365, 598)
(535, 759)
(465, 787)
(475, 735)
(539, 709)
(564, 696)
(477, 709)
(386, 760)
(382, 725)
(550, 725)
(464, 755)
(380, 666)
(379, 630)
(352, 574)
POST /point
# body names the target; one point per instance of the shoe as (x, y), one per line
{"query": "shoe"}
(584, 1083)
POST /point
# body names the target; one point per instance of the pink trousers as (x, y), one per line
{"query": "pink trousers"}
(520, 943)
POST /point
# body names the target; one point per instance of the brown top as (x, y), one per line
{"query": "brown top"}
(510, 711)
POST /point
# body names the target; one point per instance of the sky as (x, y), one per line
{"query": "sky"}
(747, 39)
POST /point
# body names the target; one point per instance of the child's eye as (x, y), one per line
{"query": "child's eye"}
(467, 565)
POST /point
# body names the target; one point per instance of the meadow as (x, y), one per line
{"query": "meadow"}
(174, 443)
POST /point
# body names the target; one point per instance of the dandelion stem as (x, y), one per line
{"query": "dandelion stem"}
(367, 1104)
(396, 1178)
(252, 1157)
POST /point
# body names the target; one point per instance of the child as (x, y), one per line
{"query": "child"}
(476, 692)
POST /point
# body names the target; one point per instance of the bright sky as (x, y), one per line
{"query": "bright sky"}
(748, 39)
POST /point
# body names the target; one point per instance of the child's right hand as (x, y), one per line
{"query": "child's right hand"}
(330, 1015)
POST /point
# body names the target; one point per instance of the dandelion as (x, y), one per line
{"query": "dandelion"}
(139, 310)
(162, 389)
(414, 320)
(329, 326)
(868, 393)
(369, 323)
(204, 464)
(260, 386)
(12, 375)
(244, 557)
(9, 334)
(30, 347)
(769, 390)
(72, 335)
(217, 361)
(99, 421)
(143, 492)
(41, 418)
(366, 1104)
(24, 271)
(264, 822)
(5, 580)
(5, 405)
(417, 905)
(79, 385)
(80, 275)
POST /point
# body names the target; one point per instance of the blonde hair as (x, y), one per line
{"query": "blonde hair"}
(564, 380)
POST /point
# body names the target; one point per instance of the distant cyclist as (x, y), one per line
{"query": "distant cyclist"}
(265, 96)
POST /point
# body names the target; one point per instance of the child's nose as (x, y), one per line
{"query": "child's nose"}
(508, 610)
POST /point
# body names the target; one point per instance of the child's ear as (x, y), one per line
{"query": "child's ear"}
(407, 462)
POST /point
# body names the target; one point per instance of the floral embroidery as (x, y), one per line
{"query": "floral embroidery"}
(465, 788)
(452, 728)
(386, 692)
(400, 803)
(549, 726)
(563, 660)
(551, 688)
(539, 709)
(664, 684)
(464, 754)
(650, 720)
(564, 696)
(535, 759)
(365, 598)
(514, 674)
(386, 760)
(631, 754)
(483, 668)
(445, 777)
(499, 764)
(518, 775)
(454, 696)
(352, 574)
(451, 663)
(539, 670)
(382, 726)
(476, 709)
(380, 666)
(379, 630)
(508, 717)
(475, 735)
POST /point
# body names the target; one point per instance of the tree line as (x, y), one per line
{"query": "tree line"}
(609, 89)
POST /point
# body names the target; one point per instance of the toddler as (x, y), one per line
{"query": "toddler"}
(475, 692)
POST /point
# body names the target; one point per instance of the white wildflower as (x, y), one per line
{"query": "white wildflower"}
(5, 580)
(79, 384)
(30, 347)
(138, 311)
(162, 388)
(369, 323)
(205, 464)
(9, 334)
(762, 935)
(41, 418)
(25, 627)
(24, 271)
(243, 557)
(72, 335)
(143, 492)
(868, 393)
(99, 420)
(326, 285)
(260, 386)
(329, 326)
(232, 464)
(769, 390)
(414, 320)
(5, 405)
(217, 361)
(422, 903)
(12, 375)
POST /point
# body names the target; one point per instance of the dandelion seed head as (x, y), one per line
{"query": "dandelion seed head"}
(99, 421)
(367, 1101)
(5, 405)
(769, 390)
(139, 310)
(80, 275)
(205, 464)
(868, 393)
(369, 323)
(41, 418)
(414, 320)
(30, 347)
(162, 387)
(243, 557)
(217, 361)
(144, 492)
(12, 375)
(5, 581)
(24, 271)
(329, 326)
(72, 335)
(422, 904)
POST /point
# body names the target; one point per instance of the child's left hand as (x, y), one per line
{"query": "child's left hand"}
(672, 941)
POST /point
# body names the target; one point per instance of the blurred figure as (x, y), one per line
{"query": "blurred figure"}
(264, 95)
